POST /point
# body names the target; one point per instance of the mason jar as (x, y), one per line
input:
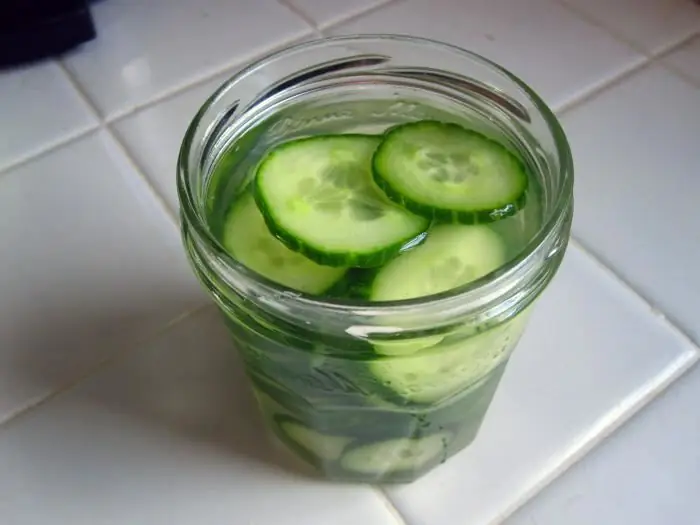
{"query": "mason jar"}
(375, 392)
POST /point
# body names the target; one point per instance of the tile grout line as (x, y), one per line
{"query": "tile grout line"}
(141, 173)
(132, 347)
(672, 68)
(230, 69)
(673, 46)
(623, 76)
(105, 127)
(639, 48)
(209, 75)
(69, 138)
(299, 12)
(320, 28)
(667, 49)
(49, 148)
(598, 90)
(78, 88)
(357, 15)
(677, 45)
(649, 58)
(668, 320)
(389, 505)
(167, 94)
(192, 82)
(601, 430)
(592, 20)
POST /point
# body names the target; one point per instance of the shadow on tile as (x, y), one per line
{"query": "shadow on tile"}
(186, 389)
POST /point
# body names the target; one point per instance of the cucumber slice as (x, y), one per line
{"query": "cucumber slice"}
(317, 196)
(452, 256)
(446, 172)
(248, 239)
(395, 455)
(407, 346)
(443, 371)
(322, 446)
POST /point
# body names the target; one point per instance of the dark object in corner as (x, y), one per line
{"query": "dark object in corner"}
(31, 30)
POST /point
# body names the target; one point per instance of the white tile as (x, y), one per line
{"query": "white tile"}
(325, 12)
(647, 474)
(144, 49)
(90, 263)
(169, 436)
(651, 24)
(687, 59)
(39, 108)
(557, 53)
(635, 152)
(591, 351)
(153, 135)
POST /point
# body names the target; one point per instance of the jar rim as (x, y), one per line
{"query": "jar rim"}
(195, 223)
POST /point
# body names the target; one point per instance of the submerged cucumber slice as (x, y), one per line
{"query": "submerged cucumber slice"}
(447, 172)
(453, 255)
(318, 197)
(322, 446)
(445, 370)
(395, 455)
(248, 239)
(406, 346)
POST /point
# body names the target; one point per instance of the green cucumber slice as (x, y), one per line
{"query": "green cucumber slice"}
(444, 171)
(407, 346)
(248, 239)
(453, 255)
(443, 371)
(395, 455)
(325, 447)
(317, 196)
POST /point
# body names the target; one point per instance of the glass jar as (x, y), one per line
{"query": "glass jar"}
(373, 392)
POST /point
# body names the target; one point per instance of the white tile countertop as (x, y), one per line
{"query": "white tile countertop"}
(121, 398)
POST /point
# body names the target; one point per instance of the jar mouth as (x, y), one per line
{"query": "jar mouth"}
(482, 291)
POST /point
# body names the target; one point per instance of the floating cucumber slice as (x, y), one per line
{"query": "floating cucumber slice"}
(447, 172)
(453, 255)
(248, 239)
(325, 447)
(317, 196)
